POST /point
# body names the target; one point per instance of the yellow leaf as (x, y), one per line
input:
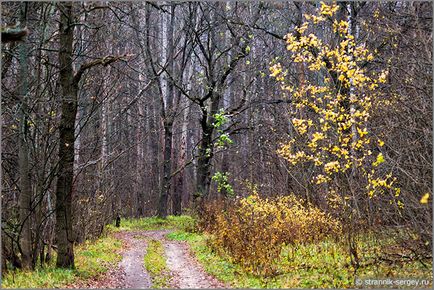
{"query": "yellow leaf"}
(380, 159)
(424, 198)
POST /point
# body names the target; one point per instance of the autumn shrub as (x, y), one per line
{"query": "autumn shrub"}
(254, 229)
(210, 211)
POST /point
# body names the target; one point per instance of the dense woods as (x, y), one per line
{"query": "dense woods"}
(259, 119)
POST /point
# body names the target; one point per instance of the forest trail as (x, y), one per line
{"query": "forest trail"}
(184, 269)
(132, 262)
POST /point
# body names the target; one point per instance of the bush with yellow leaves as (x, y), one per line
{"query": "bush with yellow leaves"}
(254, 229)
(331, 112)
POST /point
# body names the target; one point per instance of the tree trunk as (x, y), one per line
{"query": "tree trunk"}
(167, 170)
(204, 160)
(178, 191)
(64, 235)
(140, 165)
(167, 110)
(25, 185)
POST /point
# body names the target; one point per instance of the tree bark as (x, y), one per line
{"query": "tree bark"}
(64, 234)
(205, 155)
(167, 170)
(179, 182)
(25, 185)
(167, 111)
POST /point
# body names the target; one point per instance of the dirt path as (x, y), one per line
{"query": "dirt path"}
(185, 270)
(132, 263)
(112, 279)
(131, 273)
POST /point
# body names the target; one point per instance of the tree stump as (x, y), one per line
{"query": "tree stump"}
(118, 221)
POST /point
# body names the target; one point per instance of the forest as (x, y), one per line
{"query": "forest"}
(203, 144)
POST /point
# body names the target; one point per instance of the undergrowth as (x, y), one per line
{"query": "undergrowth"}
(253, 230)
(323, 264)
(155, 264)
(92, 258)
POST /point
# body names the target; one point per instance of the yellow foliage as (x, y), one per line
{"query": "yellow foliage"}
(254, 230)
(332, 167)
(328, 10)
(380, 159)
(275, 70)
(334, 134)
(424, 198)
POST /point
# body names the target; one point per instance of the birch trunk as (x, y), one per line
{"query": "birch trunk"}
(167, 110)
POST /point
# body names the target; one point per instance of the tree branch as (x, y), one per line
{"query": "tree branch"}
(12, 34)
(102, 61)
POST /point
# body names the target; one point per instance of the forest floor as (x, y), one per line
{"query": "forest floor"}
(183, 269)
(171, 253)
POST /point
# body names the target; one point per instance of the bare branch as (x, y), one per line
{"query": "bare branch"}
(102, 61)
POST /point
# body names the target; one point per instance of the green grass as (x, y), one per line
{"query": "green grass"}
(155, 263)
(181, 235)
(320, 265)
(91, 260)
(95, 258)
(182, 222)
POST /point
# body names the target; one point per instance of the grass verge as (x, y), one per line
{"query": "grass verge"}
(183, 222)
(319, 265)
(91, 260)
(155, 263)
